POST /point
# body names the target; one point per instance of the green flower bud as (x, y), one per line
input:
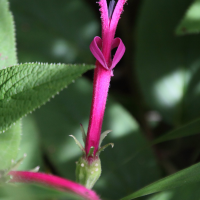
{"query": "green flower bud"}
(88, 171)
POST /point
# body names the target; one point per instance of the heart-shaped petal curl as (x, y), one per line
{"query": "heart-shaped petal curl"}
(96, 45)
(117, 42)
(101, 49)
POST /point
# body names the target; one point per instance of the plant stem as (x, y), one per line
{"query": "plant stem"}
(100, 92)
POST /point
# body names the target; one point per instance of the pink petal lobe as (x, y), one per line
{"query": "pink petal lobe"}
(104, 17)
(116, 15)
(117, 42)
(95, 49)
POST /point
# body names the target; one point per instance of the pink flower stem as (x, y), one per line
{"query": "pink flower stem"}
(101, 49)
(100, 93)
(53, 181)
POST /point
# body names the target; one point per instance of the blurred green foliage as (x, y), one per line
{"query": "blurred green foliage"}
(155, 89)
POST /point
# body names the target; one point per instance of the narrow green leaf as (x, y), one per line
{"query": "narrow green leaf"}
(27, 86)
(188, 129)
(191, 20)
(7, 36)
(181, 178)
(9, 144)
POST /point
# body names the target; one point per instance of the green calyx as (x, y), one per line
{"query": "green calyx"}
(100, 149)
(88, 171)
(88, 167)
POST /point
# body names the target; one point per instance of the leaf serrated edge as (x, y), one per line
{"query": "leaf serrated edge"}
(48, 100)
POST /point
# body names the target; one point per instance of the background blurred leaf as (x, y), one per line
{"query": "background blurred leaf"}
(191, 21)
(9, 146)
(33, 192)
(54, 31)
(10, 139)
(30, 145)
(7, 37)
(183, 177)
(168, 67)
(25, 87)
(189, 129)
(182, 193)
(61, 117)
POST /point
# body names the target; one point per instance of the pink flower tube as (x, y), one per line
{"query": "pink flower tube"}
(53, 181)
(101, 49)
(88, 167)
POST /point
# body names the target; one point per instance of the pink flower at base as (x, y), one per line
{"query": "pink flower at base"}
(101, 49)
(53, 181)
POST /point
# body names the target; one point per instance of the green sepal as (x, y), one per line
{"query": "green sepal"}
(88, 172)
(103, 135)
(83, 133)
(36, 169)
(78, 143)
(91, 152)
(104, 147)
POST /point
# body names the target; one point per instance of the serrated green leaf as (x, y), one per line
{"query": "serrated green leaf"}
(9, 144)
(187, 176)
(7, 36)
(27, 86)
(191, 21)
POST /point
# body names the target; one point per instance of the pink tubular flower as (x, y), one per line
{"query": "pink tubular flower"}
(53, 181)
(101, 49)
(88, 167)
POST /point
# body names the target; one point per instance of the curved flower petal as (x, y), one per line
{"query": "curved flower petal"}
(117, 42)
(53, 181)
(105, 21)
(95, 49)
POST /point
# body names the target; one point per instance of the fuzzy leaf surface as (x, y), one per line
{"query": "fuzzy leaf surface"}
(27, 86)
